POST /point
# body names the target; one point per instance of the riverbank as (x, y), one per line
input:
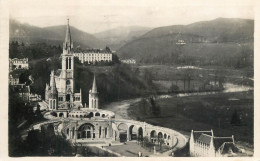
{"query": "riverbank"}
(203, 112)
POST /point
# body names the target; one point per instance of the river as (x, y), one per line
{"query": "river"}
(120, 107)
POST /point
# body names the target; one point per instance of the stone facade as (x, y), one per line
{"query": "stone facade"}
(92, 125)
(94, 55)
(93, 96)
(18, 64)
(205, 144)
(60, 93)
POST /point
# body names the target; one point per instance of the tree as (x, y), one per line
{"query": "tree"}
(174, 88)
(156, 111)
(235, 120)
(38, 113)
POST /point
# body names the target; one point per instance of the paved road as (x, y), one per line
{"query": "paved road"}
(120, 109)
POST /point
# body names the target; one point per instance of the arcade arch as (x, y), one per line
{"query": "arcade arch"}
(86, 131)
(123, 132)
(132, 133)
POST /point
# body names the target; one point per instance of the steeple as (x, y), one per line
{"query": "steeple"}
(47, 87)
(53, 83)
(94, 86)
(68, 45)
(93, 96)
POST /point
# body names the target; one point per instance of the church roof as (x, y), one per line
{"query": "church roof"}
(94, 86)
(219, 141)
(228, 146)
(92, 50)
(204, 138)
(197, 134)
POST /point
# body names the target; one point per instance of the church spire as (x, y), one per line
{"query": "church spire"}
(68, 42)
(94, 86)
(53, 83)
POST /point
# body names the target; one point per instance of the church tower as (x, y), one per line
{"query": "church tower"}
(67, 73)
(93, 96)
(53, 94)
(60, 93)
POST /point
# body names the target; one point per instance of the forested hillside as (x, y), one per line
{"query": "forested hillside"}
(224, 42)
(53, 35)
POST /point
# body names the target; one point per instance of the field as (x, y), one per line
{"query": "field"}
(164, 76)
(204, 113)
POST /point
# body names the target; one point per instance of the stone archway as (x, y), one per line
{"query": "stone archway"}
(86, 131)
(123, 132)
(140, 134)
(61, 114)
(54, 114)
(90, 114)
(160, 138)
(97, 114)
(153, 136)
(132, 133)
(165, 136)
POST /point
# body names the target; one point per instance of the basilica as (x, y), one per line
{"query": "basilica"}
(60, 94)
(91, 124)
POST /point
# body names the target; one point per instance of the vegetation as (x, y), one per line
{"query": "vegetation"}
(219, 112)
(115, 80)
(33, 51)
(53, 35)
(209, 43)
(21, 115)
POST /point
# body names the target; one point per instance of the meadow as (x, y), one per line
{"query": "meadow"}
(216, 111)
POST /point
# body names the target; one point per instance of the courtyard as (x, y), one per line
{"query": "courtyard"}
(132, 148)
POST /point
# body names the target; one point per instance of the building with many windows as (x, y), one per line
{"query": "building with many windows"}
(94, 55)
(205, 144)
(91, 125)
(18, 64)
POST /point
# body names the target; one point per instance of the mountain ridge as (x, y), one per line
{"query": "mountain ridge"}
(29, 34)
(202, 42)
(117, 37)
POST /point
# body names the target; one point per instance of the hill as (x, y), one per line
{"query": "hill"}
(206, 43)
(50, 35)
(119, 81)
(117, 37)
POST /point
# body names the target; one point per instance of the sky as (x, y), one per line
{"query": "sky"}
(94, 16)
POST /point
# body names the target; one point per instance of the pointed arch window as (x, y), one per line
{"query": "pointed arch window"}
(67, 63)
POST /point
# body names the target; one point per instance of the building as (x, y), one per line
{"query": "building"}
(180, 42)
(23, 91)
(205, 144)
(91, 125)
(60, 94)
(94, 55)
(18, 64)
(93, 96)
(14, 78)
(128, 61)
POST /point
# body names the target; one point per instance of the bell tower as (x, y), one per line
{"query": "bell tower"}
(67, 76)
